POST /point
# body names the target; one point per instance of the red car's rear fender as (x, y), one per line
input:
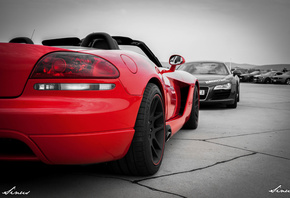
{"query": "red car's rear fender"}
(17, 62)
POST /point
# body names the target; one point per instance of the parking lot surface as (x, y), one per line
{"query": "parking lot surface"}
(243, 152)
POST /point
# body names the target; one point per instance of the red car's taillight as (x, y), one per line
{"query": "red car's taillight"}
(73, 65)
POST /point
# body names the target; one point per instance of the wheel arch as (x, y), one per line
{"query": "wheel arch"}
(158, 83)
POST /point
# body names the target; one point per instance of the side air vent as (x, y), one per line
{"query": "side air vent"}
(184, 95)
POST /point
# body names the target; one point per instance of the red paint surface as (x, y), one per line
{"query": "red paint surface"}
(78, 127)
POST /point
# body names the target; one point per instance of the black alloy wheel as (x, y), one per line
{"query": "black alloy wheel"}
(236, 99)
(147, 148)
(156, 129)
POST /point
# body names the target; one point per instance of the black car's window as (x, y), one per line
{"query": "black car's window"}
(270, 73)
(255, 73)
(205, 68)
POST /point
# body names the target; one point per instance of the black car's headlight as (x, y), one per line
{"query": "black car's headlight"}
(223, 86)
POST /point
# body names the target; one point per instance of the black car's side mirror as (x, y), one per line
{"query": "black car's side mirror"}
(175, 60)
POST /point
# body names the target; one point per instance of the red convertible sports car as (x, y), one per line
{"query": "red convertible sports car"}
(72, 101)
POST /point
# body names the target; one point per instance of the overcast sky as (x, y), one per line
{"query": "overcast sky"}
(241, 31)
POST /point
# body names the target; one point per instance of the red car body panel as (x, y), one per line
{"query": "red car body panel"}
(17, 61)
(81, 127)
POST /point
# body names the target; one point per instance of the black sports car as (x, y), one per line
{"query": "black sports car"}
(238, 72)
(249, 77)
(217, 83)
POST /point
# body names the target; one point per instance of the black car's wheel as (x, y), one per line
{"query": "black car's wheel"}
(235, 104)
(192, 123)
(267, 80)
(238, 92)
(146, 151)
(287, 81)
(251, 79)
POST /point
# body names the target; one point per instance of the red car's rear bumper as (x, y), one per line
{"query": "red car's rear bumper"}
(69, 127)
(72, 148)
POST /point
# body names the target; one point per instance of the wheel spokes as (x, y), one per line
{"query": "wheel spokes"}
(156, 129)
(155, 149)
(158, 115)
(154, 105)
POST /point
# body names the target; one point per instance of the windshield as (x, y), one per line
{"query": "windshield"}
(205, 68)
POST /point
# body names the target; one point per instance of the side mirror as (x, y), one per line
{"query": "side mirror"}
(175, 60)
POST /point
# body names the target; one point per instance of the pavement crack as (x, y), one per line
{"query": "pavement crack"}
(137, 181)
(130, 181)
(277, 156)
(230, 136)
(196, 169)
(257, 133)
(154, 189)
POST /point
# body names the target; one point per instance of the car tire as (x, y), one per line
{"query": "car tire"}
(287, 81)
(238, 91)
(145, 154)
(192, 123)
(267, 81)
(235, 104)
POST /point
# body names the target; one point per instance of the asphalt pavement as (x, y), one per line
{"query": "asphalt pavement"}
(234, 153)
